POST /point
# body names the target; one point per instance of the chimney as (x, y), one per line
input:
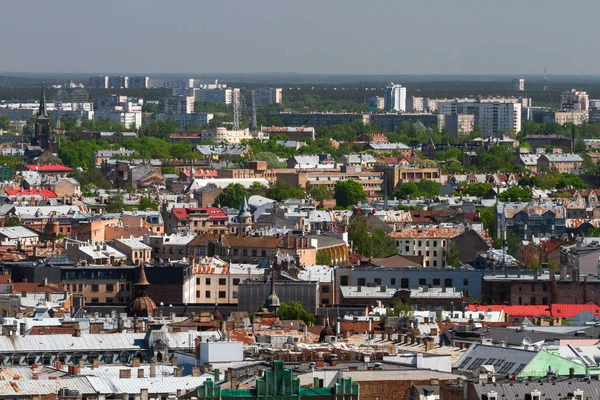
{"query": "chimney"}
(177, 372)
(95, 363)
(136, 362)
(174, 361)
(153, 370)
(195, 371)
(144, 394)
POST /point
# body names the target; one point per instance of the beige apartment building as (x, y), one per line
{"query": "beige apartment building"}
(136, 251)
(219, 283)
(431, 243)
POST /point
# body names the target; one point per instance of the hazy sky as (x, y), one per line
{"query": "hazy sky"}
(311, 36)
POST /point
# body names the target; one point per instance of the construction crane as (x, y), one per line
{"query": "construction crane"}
(254, 123)
(236, 109)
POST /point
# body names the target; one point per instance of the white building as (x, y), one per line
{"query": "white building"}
(178, 105)
(575, 100)
(266, 96)
(120, 117)
(185, 120)
(490, 117)
(394, 98)
(519, 84)
(219, 95)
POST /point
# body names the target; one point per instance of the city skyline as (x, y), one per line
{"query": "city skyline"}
(327, 39)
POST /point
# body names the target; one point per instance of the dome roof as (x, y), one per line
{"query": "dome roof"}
(245, 210)
(142, 306)
(272, 300)
(216, 314)
(326, 331)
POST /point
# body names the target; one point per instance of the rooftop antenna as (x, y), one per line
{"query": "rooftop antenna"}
(545, 80)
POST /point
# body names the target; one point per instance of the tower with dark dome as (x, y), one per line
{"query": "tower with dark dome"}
(142, 305)
(272, 301)
(242, 223)
(42, 123)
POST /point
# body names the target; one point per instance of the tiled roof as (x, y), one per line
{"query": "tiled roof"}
(415, 233)
(20, 192)
(552, 310)
(49, 168)
(34, 287)
(250, 241)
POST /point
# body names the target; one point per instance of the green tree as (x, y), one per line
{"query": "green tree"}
(91, 176)
(115, 204)
(348, 193)
(452, 256)
(429, 188)
(320, 192)
(148, 203)
(478, 189)
(370, 242)
(294, 311)
(570, 181)
(407, 190)
(516, 193)
(4, 122)
(513, 243)
(323, 258)
(232, 196)
(282, 190)
(400, 309)
(271, 159)
(150, 108)
(12, 221)
(488, 219)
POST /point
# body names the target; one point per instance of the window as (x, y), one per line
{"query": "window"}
(109, 299)
(435, 243)
(197, 281)
(420, 243)
(393, 281)
(435, 253)
(222, 281)
(94, 288)
(94, 300)
(407, 249)
(436, 281)
(533, 301)
(263, 253)
(360, 282)
(207, 294)
(344, 280)
(404, 283)
(235, 252)
(222, 294)
(109, 287)
(377, 281)
(197, 294)
(545, 288)
(207, 281)
(324, 301)
(122, 287)
(545, 301)
(68, 287)
(80, 287)
(465, 282)
(325, 289)
(448, 282)
(245, 252)
(422, 282)
(235, 295)
(254, 253)
(236, 281)
(520, 301)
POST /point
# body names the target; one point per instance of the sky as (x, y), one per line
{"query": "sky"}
(307, 36)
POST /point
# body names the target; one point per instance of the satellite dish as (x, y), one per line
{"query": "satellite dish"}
(527, 341)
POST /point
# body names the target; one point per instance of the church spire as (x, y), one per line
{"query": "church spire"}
(43, 112)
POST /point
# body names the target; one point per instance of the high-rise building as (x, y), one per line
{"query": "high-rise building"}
(139, 82)
(117, 82)
(415, 104)
(220, 95)
(574, 100)
(267, 96)
(490, 117)
(178, 105)
(99, 82)
(519, 84)
(394, 98)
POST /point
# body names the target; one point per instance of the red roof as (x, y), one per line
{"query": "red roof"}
(553, 310)
(19, 192)
(201, 173)
(49, 168)
(214, 213)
